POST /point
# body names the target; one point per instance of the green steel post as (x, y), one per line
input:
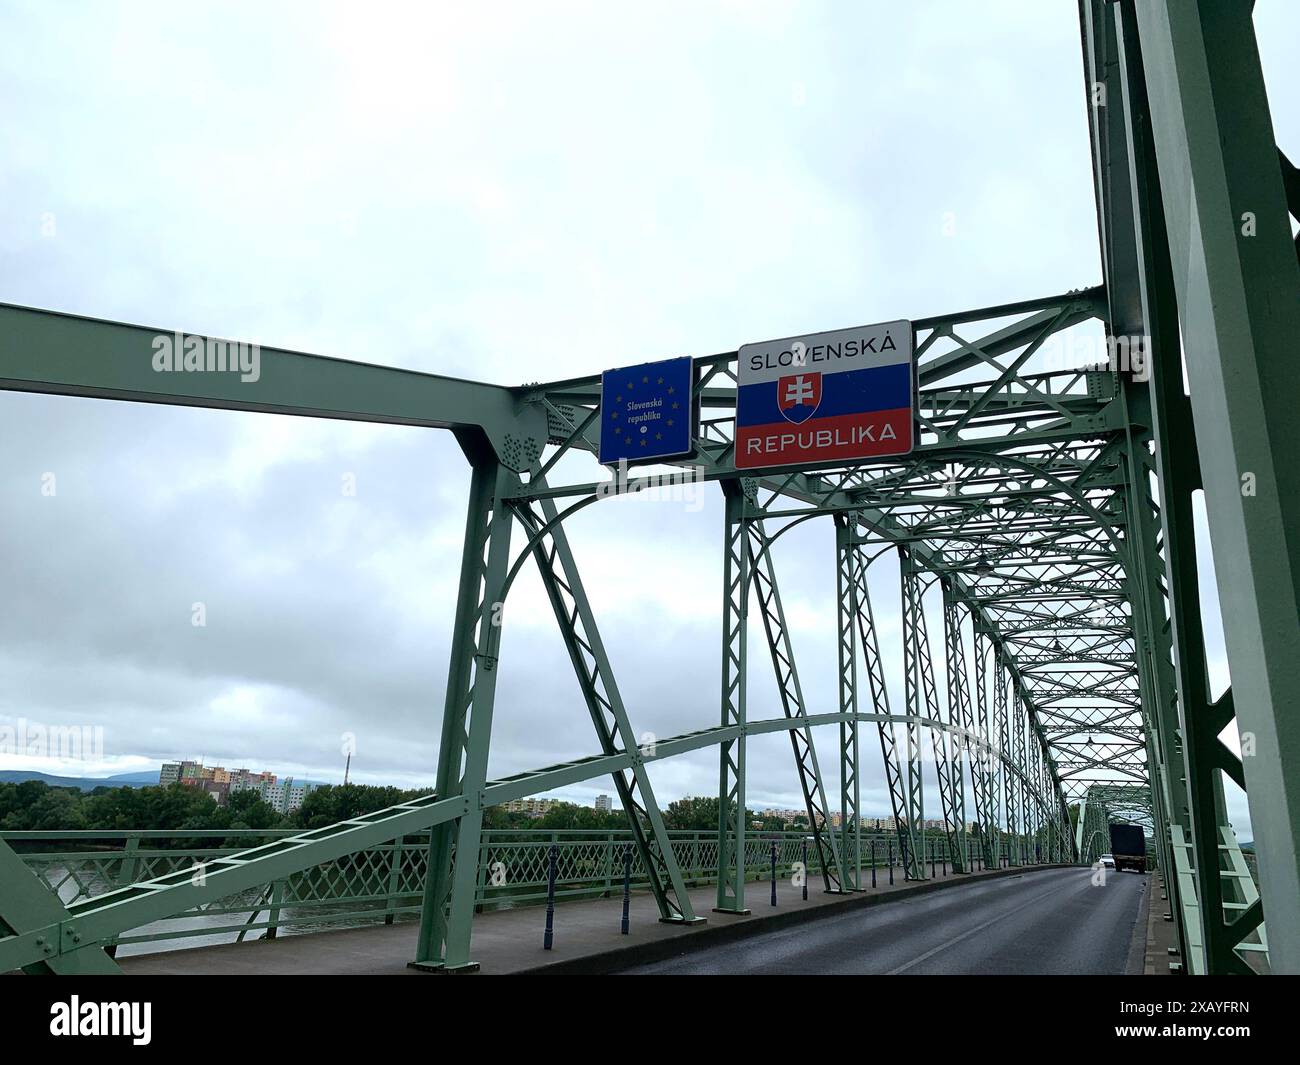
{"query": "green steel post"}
(273, 913)
(987, 763)
(731, 753)
(448, 908)
(960, 716)
(1008, 721)
(916, 706)
(394, 881)
(1235, 273)
(846, 613)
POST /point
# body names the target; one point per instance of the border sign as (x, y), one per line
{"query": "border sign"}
(647, 411)
(825, 397)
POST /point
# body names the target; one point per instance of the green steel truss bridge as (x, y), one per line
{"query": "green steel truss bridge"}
(1045, 516)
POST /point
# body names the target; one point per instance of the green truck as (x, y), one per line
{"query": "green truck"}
(1128, 846)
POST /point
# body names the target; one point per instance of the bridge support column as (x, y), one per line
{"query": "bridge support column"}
(448, 907)
(960, 717)
(987, 762)
(922, 702)
(1234, 270)
(909, 849)
(846, 612)
(731, 753)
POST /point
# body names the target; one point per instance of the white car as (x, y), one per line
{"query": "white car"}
(1108, 861)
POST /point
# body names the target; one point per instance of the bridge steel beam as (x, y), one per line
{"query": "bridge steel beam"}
(447, 909)
(70, 355)
(1199, 261)
(731, 752)
(922, 702)
(846, 615)
(27, 905)
(1236, 280)
(986, 767)
(961, 714)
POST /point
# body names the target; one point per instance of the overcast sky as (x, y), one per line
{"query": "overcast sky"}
(509, 193)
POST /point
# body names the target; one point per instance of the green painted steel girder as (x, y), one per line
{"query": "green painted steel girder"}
(1237, 281)
(69, 355)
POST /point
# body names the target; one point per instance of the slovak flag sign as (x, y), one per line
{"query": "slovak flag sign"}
(799, 395)
(841, 396)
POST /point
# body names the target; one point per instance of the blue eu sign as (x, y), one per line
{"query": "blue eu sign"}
(647, 411)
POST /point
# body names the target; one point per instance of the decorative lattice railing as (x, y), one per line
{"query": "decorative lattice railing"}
(384, 884)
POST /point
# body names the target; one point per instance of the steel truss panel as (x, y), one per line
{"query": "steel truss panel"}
(923, 703)
(901, 802)
(614, 731)
(763, 573)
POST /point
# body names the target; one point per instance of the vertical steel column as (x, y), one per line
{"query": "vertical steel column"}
(1000, 741)
(909, 846)
(731, 752)
(1235, 273)
(1044, 821)
(1020, 719)
(1036, 806)
(1142, 306)
(444, 936)
(917, 702)
(960, 716)
(846, 603)
(988, 762)
(1043, 832)
(1007, 719)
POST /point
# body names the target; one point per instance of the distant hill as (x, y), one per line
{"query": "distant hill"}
(144, 778)
(147, 778)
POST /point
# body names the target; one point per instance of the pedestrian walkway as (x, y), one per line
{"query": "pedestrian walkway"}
(587, 937)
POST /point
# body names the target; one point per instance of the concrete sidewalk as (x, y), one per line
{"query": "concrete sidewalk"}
(587, 938)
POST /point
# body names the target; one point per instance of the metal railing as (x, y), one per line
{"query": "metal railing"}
(385, 883)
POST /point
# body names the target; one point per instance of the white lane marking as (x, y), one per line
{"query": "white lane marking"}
(970, 932)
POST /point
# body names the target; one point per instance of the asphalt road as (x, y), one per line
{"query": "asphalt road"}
(1049, 921)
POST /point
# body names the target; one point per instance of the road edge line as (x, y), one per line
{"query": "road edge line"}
(715, 934)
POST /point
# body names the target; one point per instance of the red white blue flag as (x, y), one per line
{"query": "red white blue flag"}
(825, 397)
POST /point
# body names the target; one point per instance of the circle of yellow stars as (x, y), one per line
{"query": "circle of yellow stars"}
(645, 380)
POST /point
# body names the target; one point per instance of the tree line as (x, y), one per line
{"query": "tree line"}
(34, 805)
